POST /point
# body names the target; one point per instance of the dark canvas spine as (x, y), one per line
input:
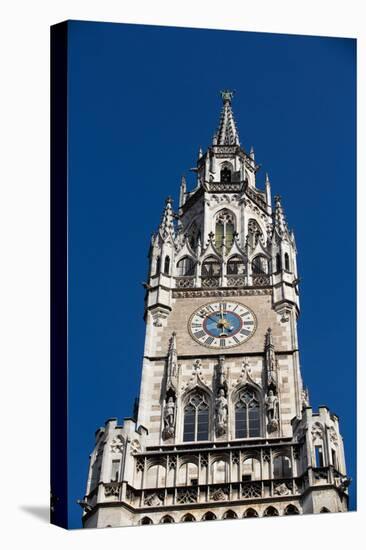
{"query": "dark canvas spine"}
(59, 351)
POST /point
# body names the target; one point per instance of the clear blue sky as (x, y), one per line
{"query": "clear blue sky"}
(142, 100)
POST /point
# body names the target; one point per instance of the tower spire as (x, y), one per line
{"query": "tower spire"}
(227, 133)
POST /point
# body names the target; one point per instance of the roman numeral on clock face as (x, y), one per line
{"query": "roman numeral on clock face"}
(209, 340)
(199, 333)
(245, 331)
(222, 343)
(236, 340)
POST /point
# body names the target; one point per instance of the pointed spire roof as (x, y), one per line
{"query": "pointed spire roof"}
(166, 227)
(227, 134)
(279, 217)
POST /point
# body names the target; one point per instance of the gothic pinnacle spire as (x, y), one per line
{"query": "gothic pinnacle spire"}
(279, 216)
(227, 133)
(166, 225)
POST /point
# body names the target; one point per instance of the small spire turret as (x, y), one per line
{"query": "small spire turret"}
(166, 227)
(279, 217)
(227, 133)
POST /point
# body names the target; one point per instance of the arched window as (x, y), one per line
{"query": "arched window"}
(211, 268)
(155, 476)
(146, 521)
(209, 516)
(250, 513)
(196, 414)
(251, 469)
(247, 415)
(230, 514)
(324, 510)
(225, 175)
(235, 266)
(224, 229)
(291, 510)
(259, 265)
(185, 266)
(270, 511)
(287, 262)
(188, 517)
(157, 265)
(167, 519)
(282, 467)
(219, 471)
(166, 265)
(278, 263)
(187, 474)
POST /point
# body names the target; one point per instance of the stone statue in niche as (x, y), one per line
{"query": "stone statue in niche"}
(272, 410)
(221, 412)
(169, 418)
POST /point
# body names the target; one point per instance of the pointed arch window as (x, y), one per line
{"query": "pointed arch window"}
(157, 265)
(235, 266)
(166, 265)
(247, 415)
(259, 265)
(287, 262)
(196, 417)
(278, 263)
(225, 175)
(224, 230)
(185, 267)
(211, 268)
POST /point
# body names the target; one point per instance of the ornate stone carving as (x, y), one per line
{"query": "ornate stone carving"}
(187, 496)
(169, 419)
(204, 461)
(221, 412)
(317, 431)
(220, 494)
(282, 489)
(333, 436)
(304, 398)
(172, 462)
(155, 499)
(266, 455)
(220, 293)
(251, 490)
(185, 282)
(261, 280)
(111, 489)
(135, 446)
(271, 402)
(117, 444)
(235, 457)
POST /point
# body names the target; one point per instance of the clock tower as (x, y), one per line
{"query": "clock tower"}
(223, 427)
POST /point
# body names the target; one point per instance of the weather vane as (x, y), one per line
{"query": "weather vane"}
(227, 95)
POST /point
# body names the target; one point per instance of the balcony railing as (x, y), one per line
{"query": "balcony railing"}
(186, 281)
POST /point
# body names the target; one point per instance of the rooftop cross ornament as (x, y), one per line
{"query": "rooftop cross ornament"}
(226, 95)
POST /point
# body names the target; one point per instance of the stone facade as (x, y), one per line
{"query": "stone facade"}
(224, 428)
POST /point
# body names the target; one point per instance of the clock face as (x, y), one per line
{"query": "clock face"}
(222, 324)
